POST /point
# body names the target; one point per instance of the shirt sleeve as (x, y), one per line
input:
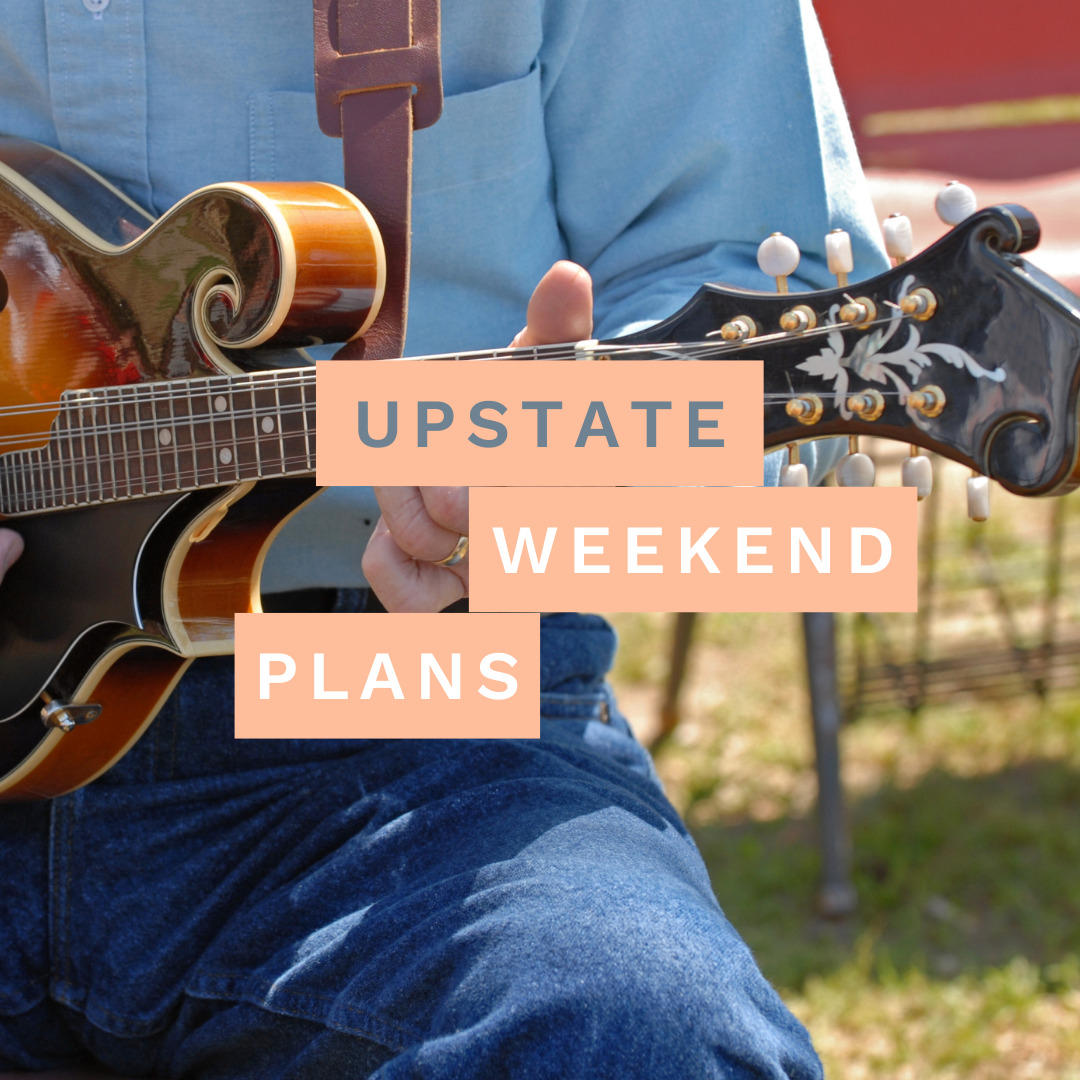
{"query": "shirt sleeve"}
(682, 134)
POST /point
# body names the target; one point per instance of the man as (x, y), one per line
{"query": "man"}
(449, 909)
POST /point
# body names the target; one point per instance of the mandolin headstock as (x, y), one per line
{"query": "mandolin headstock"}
(965, 349)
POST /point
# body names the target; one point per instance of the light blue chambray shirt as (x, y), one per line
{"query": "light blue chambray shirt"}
(655, 143)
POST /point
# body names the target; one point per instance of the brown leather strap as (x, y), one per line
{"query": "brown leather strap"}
(369, 57)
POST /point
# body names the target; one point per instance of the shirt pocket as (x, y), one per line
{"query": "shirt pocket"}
(482, 135)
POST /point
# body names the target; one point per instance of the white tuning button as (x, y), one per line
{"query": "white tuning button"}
(917, 472)
(838, 253)
(794, 473)
(954, 202)
(899, 240)
(978, 492)
(855, 469)
(778, 256)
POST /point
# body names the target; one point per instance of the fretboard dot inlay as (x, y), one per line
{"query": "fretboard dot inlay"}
(164, 436)
(220, 404)
(268, 424)
(225, 454)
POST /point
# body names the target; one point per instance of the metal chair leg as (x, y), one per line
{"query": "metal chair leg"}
(837, 896)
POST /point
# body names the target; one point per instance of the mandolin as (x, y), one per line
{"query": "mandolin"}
(157, 412)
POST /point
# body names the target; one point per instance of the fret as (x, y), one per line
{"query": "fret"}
(309, 431)
(228, 408)
(213, 447)
(5, 484)
(280, 425)
(82, 496)
(110, 436)
(41, 493)
(56, 495)
(118, 451)
(222, 431)
(168, 436)
(95, 411)
(20, 484)
(136, 461)
(200, 473)
(256, 437)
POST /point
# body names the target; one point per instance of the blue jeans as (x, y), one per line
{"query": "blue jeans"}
(222, 909)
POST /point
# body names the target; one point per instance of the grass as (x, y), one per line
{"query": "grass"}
(963, 958)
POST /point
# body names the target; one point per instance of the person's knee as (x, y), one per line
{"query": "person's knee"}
(639, 982)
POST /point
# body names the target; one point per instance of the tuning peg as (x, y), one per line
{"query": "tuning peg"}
(978, 493)
(855, 469)
(899, 240)
(778, 256)
(838, 253)
(917, 472)
(954, 202)
(794, 473)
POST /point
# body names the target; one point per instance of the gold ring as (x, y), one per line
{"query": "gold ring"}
(461, 549)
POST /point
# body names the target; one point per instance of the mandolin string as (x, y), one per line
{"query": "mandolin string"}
(241, 417)
(166, 390)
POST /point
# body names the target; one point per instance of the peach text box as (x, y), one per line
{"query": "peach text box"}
(311, 704)
(451, 458)
(726, 571)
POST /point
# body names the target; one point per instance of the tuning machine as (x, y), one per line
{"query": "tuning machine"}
(807, 409)
(794, 473)
(955, 202)
(917, 472)
(899, 239)
(855, 469)
(978, 496)
(778, 256)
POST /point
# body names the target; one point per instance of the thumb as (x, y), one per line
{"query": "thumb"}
(560, 308)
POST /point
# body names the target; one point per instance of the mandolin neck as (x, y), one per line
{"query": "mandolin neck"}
(152, 438)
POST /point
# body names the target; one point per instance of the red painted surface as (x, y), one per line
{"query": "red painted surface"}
(920, 54)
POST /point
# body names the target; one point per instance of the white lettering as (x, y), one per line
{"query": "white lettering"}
(800, 541)
(697, 548)
(857, 565)
(745, 551)
(451, 687)
(321, 693)
(380, 664)
(581, 550)
(503, 677)
(265, 678)
(634, 550)
(524, 541)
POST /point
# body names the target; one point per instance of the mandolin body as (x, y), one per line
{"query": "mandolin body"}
(126, 576)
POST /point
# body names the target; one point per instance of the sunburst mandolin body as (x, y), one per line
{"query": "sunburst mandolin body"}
(156, 431)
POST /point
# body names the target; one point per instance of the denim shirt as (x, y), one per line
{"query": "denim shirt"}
(656, 144)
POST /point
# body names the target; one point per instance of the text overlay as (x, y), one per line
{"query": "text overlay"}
(539, 422)
(693, 549)
(407, 676)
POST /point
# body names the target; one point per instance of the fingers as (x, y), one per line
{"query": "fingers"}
(426, 522)
(560, 308)
(418, 527)
(11, 546)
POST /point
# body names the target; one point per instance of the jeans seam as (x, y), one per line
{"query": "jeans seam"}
(255, 994)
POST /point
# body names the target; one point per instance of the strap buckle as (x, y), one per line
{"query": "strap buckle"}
(400, 47)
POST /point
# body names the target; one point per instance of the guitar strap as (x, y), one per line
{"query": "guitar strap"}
(377, 78)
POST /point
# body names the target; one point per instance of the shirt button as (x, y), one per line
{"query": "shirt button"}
(95, 7)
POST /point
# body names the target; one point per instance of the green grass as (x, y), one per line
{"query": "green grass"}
(962, 958)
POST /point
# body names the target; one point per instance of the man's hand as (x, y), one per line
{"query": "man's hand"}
(11, 546)
(420, 526)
